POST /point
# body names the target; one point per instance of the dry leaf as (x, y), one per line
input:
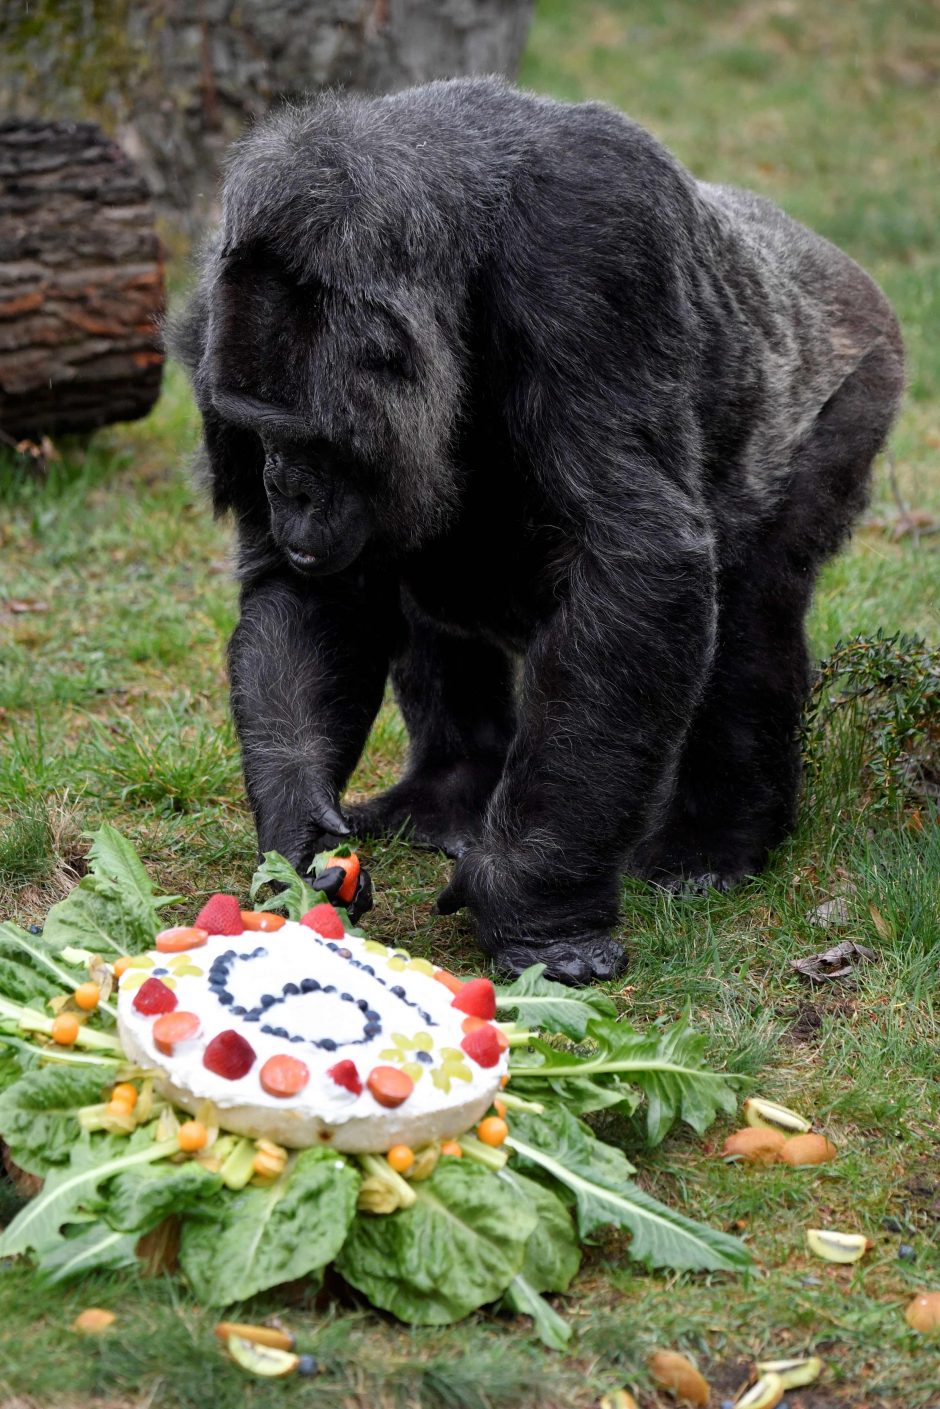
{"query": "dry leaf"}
(838, 962)
(881, 925)
(19, 605)
(831, 914)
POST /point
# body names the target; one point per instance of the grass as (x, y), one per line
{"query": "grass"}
(112, 704)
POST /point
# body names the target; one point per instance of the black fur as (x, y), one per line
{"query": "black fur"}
(509, 406)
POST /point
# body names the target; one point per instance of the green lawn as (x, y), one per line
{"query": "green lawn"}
(113, 705)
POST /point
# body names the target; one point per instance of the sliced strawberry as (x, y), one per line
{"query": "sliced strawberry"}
(477, 997)
(229, 1055)
(483, 1046)
(325, 920)
(154, 997)
(345, 1074)
(221, 915)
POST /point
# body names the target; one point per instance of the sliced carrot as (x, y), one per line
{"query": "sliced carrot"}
(449, 981)
(389, 1085)
(500, 1108)
(284, 1076)
(472, 1024)
(87, 996)
(65, 1029)
(171, 1028)
(121, 964)
(180, 938)
(263, 921)
(349, 864)
(492, 1130)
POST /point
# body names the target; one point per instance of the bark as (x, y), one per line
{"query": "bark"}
(177, 80)
(81, 282)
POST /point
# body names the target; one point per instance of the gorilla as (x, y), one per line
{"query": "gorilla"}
(511, 409)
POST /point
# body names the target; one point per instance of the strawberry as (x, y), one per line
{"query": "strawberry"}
(154, 997)
(482, 1046)
(229, 1055)
(477, 997)
(221, 915)
(346, 1075)
(325, 920)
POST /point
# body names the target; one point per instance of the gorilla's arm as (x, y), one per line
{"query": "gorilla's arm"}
(308, 662)
(609, 687)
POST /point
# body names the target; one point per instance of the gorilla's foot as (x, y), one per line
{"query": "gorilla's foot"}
(699, 882)
(578, 960)
(441, 809)
(687, 870)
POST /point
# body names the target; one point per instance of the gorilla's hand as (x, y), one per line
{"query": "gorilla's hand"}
(299, 831)
(330, 881)
(566, 929)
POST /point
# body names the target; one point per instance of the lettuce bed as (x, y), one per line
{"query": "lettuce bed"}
(492, 1226)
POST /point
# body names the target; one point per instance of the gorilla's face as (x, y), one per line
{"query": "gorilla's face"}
(352, 395)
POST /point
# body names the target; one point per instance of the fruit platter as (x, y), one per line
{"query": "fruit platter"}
(261, 1092)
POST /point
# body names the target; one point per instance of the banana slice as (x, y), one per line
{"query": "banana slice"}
(764, 1395)
(837, 1247)
(264, 1360)
(770, 1116)
(794, 1373)
(258, 1335)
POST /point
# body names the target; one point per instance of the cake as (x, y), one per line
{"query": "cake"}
(305, 1034)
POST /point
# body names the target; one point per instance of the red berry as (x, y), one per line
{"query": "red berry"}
(229, 1055)
(221, 914)
(478, 997)
(325, 920)
(483, 1046)
(154, 997)
(346, 1075)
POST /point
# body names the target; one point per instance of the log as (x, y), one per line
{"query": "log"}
(81, 282)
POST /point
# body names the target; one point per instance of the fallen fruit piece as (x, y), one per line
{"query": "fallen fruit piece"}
(192, 1136)
(754, 1145)
(262, 921)
(93, 1320)
(284, 1076)
(923, 1314)
(618, 1399)
(671, 1371)
(808, 1149)
(229, 1055)
(794, 1373)
(349, 864)
(769, 1116)
(258, 1335)
(180, 938)
(171, 1028)
(837, 1247)
(65, 1029)
(308, 1365)
(401, 1158)
(493, 1130)
(220, 915)
(389, 1086)
(344, 1073)
(87, 996)
(325, 921)
(266, 1360)
(154, 997)
(767, 1393)
(478, 997)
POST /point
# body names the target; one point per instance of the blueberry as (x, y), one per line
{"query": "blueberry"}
(372, 1029)
(229, 954)
(329, 988)
(290, 988)
(906, 1253)
(267, 1000)
(373, 1016)
(35, 929)
(346, 997)
(297, 1038)
(158, 973)
(424, 1057)
(309, 985)
(307, 1365)
(363, 1005)
(398, 991)
(280, 1032)
(368, 969)
(258, 953)
(331, 945)
(253, 1016)
(225, 999)
(344, 953)
(266, 1027)
(327, 1044)
(238, 1011)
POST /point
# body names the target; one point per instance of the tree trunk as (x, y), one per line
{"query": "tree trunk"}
(81, 282)
(177, 80)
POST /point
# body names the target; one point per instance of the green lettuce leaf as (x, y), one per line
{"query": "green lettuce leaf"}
(113, 909)
(94, 1248)
(140, 1198)
(458, 1247)
(668, 1067)
(552, 1256)
(38, 1113)
(557, 1144)
(71, 1189)
(539, 1002)
(29, 972)
(296, 898)
(551, 1329)
(248, 1241)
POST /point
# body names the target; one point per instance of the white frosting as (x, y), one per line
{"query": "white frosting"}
(323, 1111)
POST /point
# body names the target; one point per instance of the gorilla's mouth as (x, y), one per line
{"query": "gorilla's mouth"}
(304, 561)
